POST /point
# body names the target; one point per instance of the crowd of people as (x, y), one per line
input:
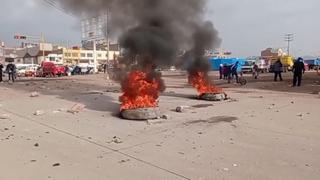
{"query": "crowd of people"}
(229, 72)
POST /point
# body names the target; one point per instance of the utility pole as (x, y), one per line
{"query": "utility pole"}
(288, 38)
(108, 40)
(95, 55)
(42, 44)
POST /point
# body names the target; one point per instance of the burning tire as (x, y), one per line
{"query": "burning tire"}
(213, 96)
(141, 114)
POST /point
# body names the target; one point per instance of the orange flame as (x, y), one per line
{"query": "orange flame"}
(199, 80)
(139, 92)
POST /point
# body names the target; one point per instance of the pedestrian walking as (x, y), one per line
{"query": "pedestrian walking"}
(105, 67)
(298, 69)
(225, 71)
(221, 71)
(234, 71)
(277, 70)
(1, 71)
(255, 70)
(11, 69)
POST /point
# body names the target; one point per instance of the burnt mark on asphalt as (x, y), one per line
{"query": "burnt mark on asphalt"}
(202, 105)
(214, 120)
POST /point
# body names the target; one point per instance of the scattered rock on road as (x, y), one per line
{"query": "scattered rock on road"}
(300, 114)
(182, 109)
(34, 94)
(56, 164)
(164, 116)
(77, 108)
(116, 140)
(38, 113)
(4, 116)
(226, 169)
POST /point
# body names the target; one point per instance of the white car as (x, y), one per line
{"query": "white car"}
(172, 68)
(21, 68)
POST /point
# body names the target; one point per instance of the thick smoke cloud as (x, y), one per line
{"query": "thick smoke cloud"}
(204, 38)
(154, 29)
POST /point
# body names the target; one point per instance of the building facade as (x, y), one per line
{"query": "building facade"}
(82, 56)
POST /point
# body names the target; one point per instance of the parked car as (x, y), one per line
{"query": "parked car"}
(21, 69)
(247, 67)
(263, 65)
(172, 68)
(50, 69)
(31, 71)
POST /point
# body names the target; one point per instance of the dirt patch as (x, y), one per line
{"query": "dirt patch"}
(214, 120)
(218, 119)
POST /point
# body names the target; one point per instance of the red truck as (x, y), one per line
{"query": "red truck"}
(51, 69)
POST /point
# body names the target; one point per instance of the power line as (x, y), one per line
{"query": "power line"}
(54, 5)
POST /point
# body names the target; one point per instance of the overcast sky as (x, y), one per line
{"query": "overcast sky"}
(245, 26)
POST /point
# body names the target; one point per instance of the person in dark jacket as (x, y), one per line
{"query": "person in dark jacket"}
(1, 67)
(234, 71)
(298, 69)
(277, 70)
(221, 70)
(11, 69)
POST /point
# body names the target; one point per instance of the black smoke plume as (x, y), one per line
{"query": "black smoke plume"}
(157, 29)
(153, 32)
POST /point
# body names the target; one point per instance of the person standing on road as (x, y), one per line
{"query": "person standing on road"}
(255, 70)
(105, 67)
(11, 69)
(221, 71)
(278, 70)
(234, 71)
(298, 69)
(1, 67)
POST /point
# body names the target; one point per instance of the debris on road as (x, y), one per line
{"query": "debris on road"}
(36, 145)
(77, 108)
(116, 140)
(232, 100)
(300, 114)
(34, 94)
(56, 164)
(124, 161)
(182, 109)
(94, 92)
(39, 113)
(58, 111)
(164, 116)
(226, 169)
(4, 116)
